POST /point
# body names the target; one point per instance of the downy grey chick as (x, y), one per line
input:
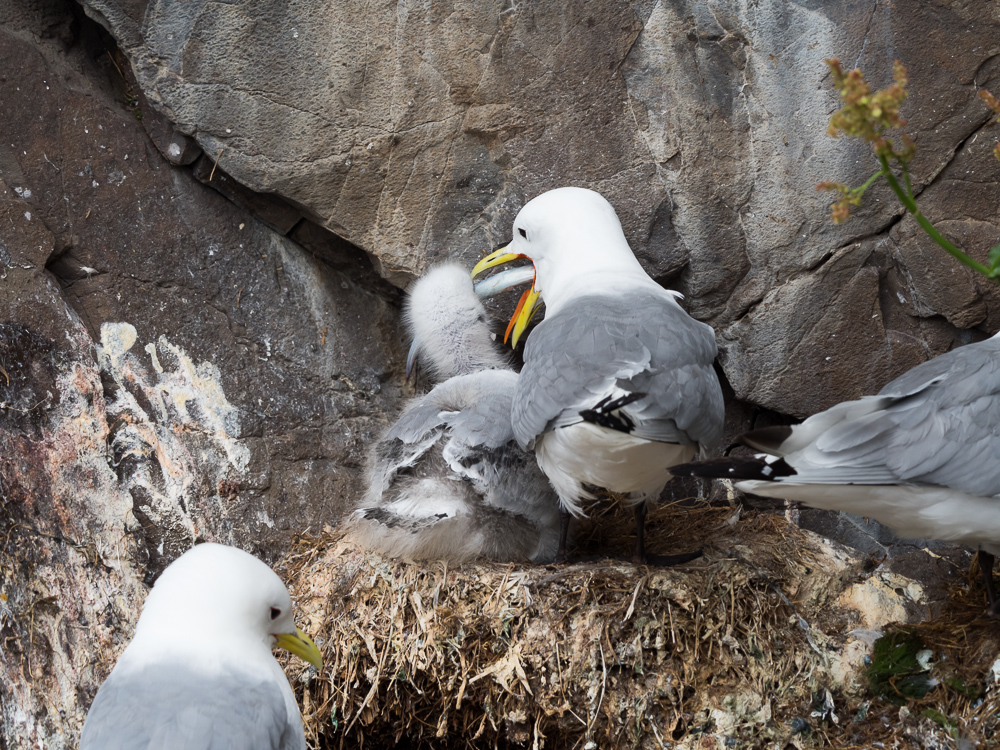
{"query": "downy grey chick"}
(448, 480)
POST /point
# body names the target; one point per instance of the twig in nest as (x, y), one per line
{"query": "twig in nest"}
(673, 633)
(604, 681)
(378, 669)
(538, 733)
(482, 726)
(498, 592)
(562, 683)
(465, 680)
(656, 732)
(6, 376)
(631, 606)
(212, 173)
(803, 625)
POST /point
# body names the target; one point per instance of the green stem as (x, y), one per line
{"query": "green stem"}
(861, 190)
(911, 205)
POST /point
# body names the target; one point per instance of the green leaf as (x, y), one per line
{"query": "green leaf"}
(895, 674)
(934, 715)
(994, 257)
(969, 691)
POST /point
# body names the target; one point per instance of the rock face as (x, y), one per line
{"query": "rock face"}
(206, 211)
(417, 132)
(171, 369)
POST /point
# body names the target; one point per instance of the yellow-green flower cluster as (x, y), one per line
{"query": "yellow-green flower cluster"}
(867, 115)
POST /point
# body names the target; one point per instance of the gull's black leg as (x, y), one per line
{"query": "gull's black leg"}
(641, 511)
(561, 555)
(641, 557)
(986, 561)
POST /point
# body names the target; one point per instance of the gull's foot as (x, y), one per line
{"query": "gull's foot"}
(666, 561)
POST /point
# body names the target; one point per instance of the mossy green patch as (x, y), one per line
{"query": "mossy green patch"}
(895, 672)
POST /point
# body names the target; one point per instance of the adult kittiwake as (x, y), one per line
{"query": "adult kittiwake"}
(617, 384)
(919, 457)
(199, 672)
(448, 480)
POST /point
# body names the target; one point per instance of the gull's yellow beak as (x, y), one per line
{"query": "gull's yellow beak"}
(525, 311)
(301, 645)
(497, 258)
(528, 304)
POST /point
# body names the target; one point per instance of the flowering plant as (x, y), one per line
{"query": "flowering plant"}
(871, 116)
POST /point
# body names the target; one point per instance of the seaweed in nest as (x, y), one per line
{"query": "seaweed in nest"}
(900, 667)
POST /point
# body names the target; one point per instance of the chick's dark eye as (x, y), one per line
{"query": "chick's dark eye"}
(275, 613)
(523, 233)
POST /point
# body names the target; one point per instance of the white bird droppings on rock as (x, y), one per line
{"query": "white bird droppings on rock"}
(179, 393)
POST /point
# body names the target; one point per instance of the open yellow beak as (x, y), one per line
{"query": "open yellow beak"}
(523, 313)
(497, 258)
(301, 645)
(528, 304)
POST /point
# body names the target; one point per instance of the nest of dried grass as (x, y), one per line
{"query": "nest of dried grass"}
(741, 648)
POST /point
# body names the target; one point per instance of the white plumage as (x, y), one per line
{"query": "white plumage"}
(199, 672)
(448, 326)
(588, 454)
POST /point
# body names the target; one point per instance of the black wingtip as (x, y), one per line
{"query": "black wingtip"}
(604, 413)
(734, 467)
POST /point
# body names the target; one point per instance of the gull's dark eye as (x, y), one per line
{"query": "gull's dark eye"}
(275, 613)
(523, 233)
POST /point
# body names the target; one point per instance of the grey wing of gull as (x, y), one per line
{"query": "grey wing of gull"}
(471, 491)
(965, 363)
(950, 435)
(938, 424)
(173, 706)
(477, 407)
(477, 414)
(598, 346)
(416, 431)
(467, 410)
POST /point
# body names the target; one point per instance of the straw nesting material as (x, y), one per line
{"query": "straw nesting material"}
(741, 648)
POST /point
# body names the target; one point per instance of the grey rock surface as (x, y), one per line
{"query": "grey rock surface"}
(171, 369)
(417, 132)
